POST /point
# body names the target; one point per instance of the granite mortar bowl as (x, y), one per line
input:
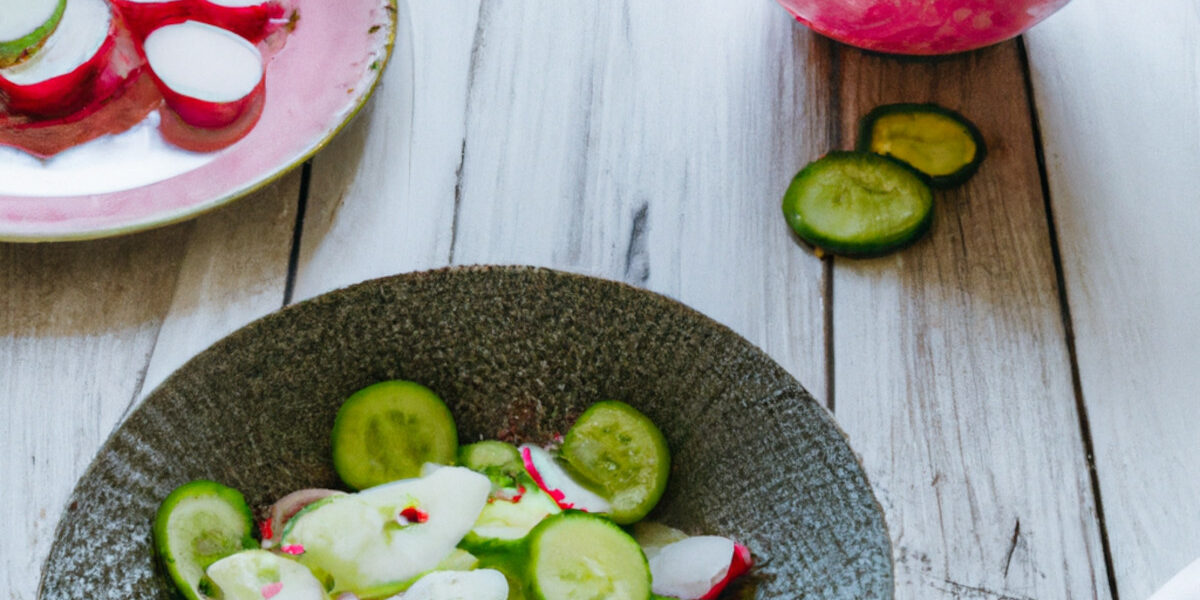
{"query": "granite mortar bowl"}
(516, 353)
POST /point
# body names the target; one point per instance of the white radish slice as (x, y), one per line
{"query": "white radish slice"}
(481, 584)
(207, 75)
(259, 575)
(555, 481)
(25, 24)
(690, 568)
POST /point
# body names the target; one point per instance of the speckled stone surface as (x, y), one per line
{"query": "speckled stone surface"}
(516, 353)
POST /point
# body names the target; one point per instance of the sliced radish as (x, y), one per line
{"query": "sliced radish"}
(207, 75)
(60, 77)
(285, 508)
(691, 568)
(739, 566)
(247, 18)
(25, 27)
(555, 481)
(144, 16)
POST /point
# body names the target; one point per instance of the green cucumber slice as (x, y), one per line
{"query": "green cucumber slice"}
(386, 431)
(503, 524)
(501, 462)
(858, 204)
(198, 524)
(258, 574)
(578, 555)
(623, 454)
(25, 27)
(941, 143)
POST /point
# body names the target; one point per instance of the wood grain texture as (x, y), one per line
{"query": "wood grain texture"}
(1118, 94)
(580, 137)
(231, 274)
(952, 373)
(77, 326)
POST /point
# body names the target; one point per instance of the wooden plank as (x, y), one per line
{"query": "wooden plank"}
(952, 373)
(580, 137)
(234, 270)
(77, 326)
(1117, 92)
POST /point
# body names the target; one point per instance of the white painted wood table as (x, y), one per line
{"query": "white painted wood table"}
(1022, 385)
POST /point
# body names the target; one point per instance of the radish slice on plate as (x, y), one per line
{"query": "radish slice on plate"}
(247, 18)
(555, 481)
(144, 16)
(25, 26)
(206, 74)
(55, 80)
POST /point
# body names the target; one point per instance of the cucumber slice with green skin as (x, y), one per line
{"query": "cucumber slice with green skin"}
(359, 543)
(198, 524)
(25, 26)
(501, 462)
(624, 454)
(581, 556)
(941, 143)
(259, 574)
(858, 204)
(387, 431)
(504, 524)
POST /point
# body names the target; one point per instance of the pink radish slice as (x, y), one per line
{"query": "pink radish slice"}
(286, 507)
(144, 16)
(59, 78)
(247, 18)
(739, 566)
(691, 568)
(555, 481)
(207, 75)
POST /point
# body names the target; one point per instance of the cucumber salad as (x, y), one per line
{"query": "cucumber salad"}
(431, 520)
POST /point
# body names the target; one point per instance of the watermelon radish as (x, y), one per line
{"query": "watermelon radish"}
(555, 481)
(61, 77)
(247, 18)
(209, 76)
(26, 26)
(144, 16)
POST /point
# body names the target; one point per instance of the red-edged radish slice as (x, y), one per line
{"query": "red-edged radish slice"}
(25, 27)
(691, 568)
(247, 18)
(739, 566)
(144, 16)
(555, 481)
(285, 508)
(56, 80)
(207, 75)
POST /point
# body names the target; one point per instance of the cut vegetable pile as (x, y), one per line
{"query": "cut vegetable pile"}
(879, 198)
(62, 60)
(435, 521)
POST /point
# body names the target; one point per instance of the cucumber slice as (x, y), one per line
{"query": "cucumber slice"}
(358, 543)
(25, 27)
(484, 584)
(858, 204)
(624, 454)
(501, 462)
(198, 524)
(258, 574)
(936, 141)
(503, 524)
(577, 555)
(387, 431)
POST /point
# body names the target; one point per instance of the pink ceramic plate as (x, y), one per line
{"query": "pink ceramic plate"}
(134, 180)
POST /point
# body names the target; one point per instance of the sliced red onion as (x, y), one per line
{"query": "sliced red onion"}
(207, 75)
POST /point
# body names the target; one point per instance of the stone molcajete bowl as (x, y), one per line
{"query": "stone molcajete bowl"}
(515, 352)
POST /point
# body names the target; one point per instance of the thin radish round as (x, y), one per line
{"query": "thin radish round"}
(206, 74)
(25, 25)
(54, 81)
(247, 18)
(690, 568)
(555, 481)
(144, 16)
